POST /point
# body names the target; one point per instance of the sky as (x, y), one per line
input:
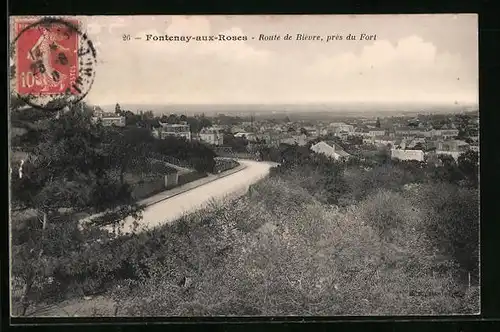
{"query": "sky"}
(415, 58)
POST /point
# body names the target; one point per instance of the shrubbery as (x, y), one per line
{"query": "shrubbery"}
(298, 256)
(316, 238)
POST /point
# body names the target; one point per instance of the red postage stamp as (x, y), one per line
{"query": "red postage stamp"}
(46, 58)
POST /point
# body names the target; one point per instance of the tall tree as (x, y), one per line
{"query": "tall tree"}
(377, 124)
(173, 119)
(67, 171)
(468, 164)
(129, 149)
(205, 122)
(118, 109)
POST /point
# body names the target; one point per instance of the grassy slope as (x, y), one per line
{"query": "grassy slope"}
(279, 251)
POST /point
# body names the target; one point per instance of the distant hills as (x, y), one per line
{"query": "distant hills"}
(267, 110)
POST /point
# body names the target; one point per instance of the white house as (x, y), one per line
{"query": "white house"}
(376, 133)
(454, 154)
(444, 133)
(108, 119)
(407, 154)
(248, 136)
(177, 130)
(330, 150)
(212, 135)
(300, 140)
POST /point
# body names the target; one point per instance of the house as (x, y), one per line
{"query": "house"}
(237, 129)
(376, 133)
(212, 136)
(403, 154)
(444, 133)
(338, 127)
(178, 130)
(454, 154)
(330, 150)
(452, 145)
(108, 119)
(384, 141)
(300, 140)
(415, 141)
(344, 135)
(409, 132)
(271, 139)
(323, 132)
(449, 133)
(312, 131)
(363, 133)
(249, 136)
(474, 139)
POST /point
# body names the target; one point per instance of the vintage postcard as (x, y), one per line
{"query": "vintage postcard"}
(253, 165)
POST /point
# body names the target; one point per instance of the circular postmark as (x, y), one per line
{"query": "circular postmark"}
(54, 62)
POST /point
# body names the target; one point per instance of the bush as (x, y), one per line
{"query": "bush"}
(297, 256)
(316, 238)
(453, 221)
(388, 213)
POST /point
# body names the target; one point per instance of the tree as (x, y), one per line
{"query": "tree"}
(67, 171)
(377, 124)
(194, 124)
(449, 171)
(173, 119)
(418, 146)
(205, 122)
(129, 149)
(355, 140)
(15, 102)
(118, 109)
(468, 165)
(303, 131)
(131, 118)
(238, 144)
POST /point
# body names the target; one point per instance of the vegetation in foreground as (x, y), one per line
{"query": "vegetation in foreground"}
(316, 238)
(400, 247)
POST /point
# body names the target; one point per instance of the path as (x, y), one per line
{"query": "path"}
(169, 206)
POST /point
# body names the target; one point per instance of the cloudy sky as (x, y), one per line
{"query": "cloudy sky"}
(424, 58)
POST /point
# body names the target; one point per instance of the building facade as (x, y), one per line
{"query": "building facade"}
(376, 133)
(212, 136)
(108, 119)
(401, 154)
(340, 128)
(177, 130)
(331, 150)
(444, 133)
(249, 136)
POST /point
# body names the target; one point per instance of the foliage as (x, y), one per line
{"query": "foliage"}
(237, 144)
(196, 123)
(129, 148)
(294, 256)
(66, 171)
(318, 237)
(198, 154)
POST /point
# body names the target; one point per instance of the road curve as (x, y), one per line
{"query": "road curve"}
(173, 208)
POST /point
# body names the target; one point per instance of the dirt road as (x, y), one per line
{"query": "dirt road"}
(230, 186)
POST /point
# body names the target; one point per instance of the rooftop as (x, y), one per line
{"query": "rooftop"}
(329, 148)
(174, 125)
